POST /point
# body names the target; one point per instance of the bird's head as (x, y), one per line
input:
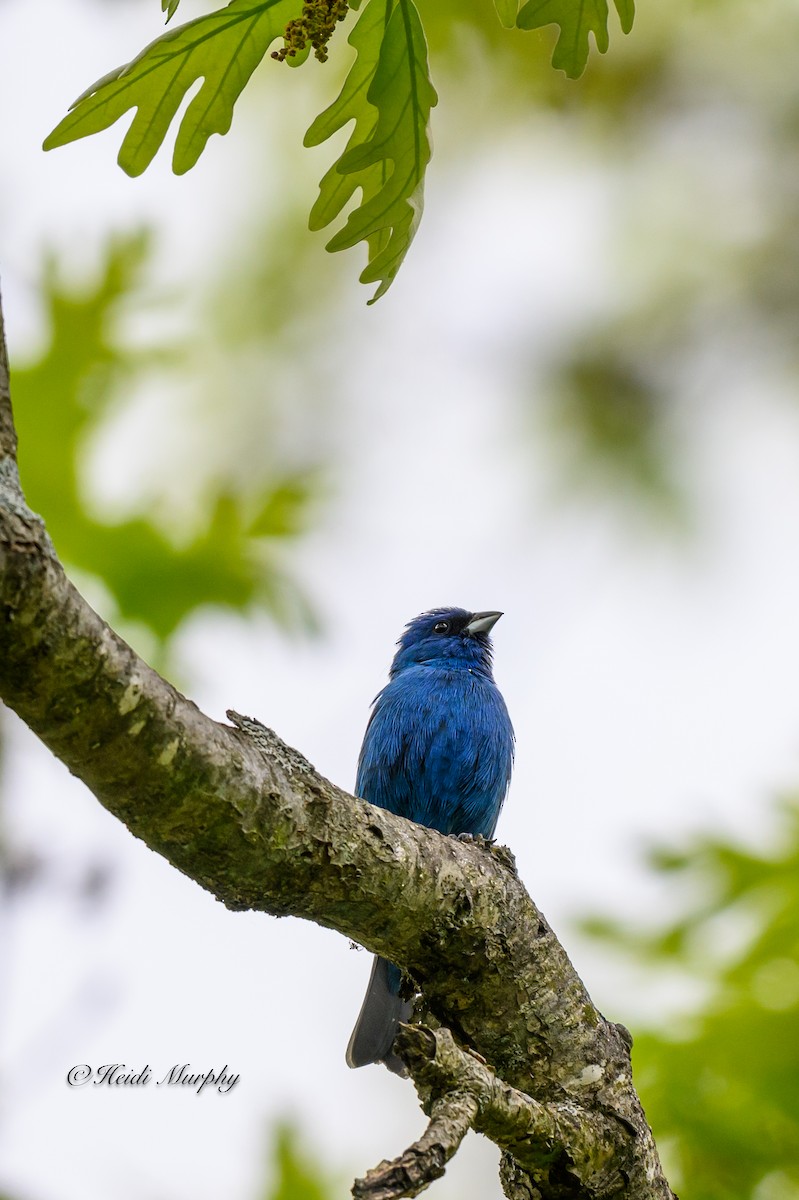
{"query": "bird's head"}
(448, 636)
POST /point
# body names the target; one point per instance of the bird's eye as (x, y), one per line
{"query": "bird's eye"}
(441, 627)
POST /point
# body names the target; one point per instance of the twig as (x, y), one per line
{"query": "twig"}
(451, 1117)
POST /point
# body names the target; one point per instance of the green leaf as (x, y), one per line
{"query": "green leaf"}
(299, 57)
(626, 13)
(577, 19)
(507, 11)
(223, 49)
(170, 7)
(389, 95)
(335, 189)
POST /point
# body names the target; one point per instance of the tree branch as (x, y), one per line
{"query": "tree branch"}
(252, 821)
(452, 1115)
(548, 1139)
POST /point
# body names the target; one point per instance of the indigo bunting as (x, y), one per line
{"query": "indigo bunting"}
(438, 749)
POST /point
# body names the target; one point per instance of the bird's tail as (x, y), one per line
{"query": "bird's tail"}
(381, 1011)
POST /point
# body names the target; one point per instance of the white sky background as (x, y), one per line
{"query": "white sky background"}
(652, 683)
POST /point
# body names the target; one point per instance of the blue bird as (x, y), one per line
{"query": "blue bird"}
(438, 749)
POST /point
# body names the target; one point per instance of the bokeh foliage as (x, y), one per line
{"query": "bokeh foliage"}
(721, 1084)
(688, 133)
(295, 1175)
(156, 574)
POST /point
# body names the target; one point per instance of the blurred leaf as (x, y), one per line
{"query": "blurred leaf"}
(577, 19)
(60, 398)
(223, 49)
(296, 1176)
(284, 512)
(613, 422)
(57, 397)
(170, 7)
(722, 1087)
(389, 94)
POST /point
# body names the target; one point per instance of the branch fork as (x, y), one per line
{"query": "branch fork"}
(459, 1091)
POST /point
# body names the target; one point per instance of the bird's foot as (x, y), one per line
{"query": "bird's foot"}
(474, 839)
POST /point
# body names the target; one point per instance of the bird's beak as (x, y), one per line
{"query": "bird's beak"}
(482, 622)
